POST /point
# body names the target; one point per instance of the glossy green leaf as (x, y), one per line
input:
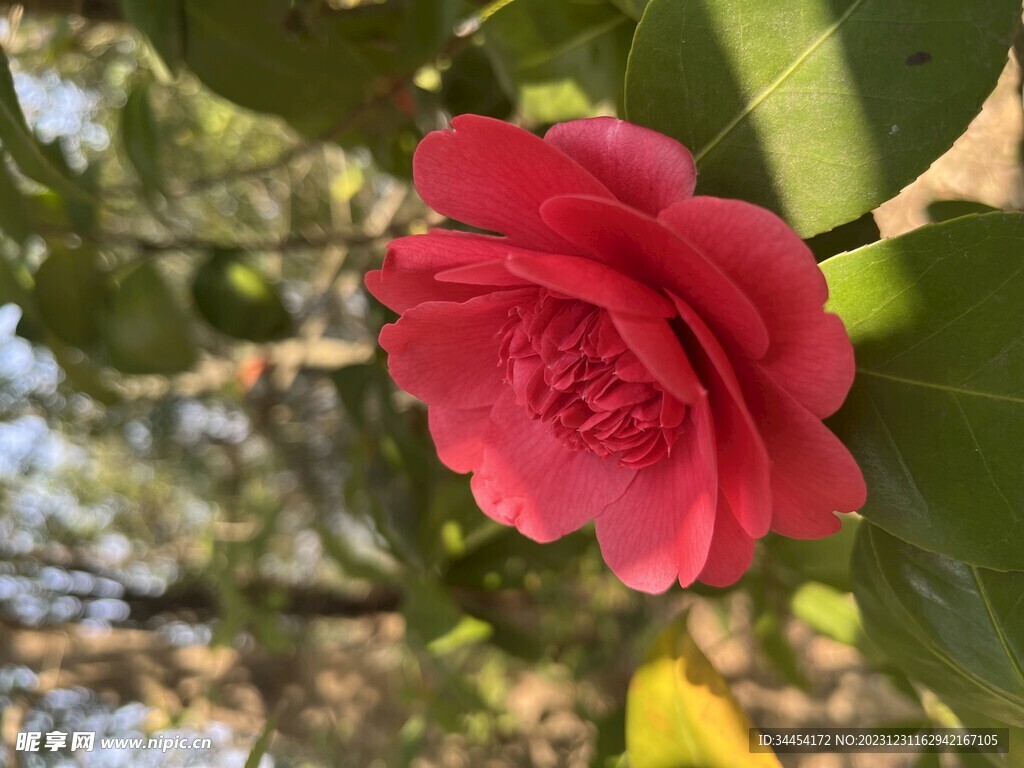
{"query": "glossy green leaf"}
(145, 330)
(818, 109)
(22, 144)
(957, 628)
(559, 61)
(238, 300)
(936, 414)
(681, 713)
(141, 137)
(70, 291)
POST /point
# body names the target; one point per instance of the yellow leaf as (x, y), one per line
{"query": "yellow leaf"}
(680, 712)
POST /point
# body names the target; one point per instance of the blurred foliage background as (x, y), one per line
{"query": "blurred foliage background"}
(217, 515)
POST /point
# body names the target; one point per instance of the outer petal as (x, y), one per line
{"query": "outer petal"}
(641, 167)
(643, 248)
(660, 530)
(531, 480)
(495, 176)
(810, 354)
(447, 354)
(813, 474)
(732, 550)
(459, 435)
(414, 268)
(743, 464)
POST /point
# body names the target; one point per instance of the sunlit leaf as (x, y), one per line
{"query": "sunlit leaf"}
(957, 628)
(237, 300)
(936, 414)
(681, 713)
(818, 109)
(827, 611)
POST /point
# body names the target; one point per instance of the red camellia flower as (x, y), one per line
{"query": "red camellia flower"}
(624, 352)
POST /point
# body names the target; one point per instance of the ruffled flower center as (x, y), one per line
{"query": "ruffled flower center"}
(570, 368)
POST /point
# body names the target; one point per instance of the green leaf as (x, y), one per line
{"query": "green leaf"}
(559, 61)
(163, 22)
(259, 749)
(825, 560)
(827, 611)
(70, 292)
(426, 28)
(818, 109)
(957, 628)
(681, 713)
(936, 414)
(141, 137)
(272, 56)
(468, 86)
(22, 144)
(435, 621)
(15, 219)
(146, 331)
(238, 300)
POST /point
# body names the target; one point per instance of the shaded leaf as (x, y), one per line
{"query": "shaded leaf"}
(559, 61)
(141, 138)
(936, 415)
(944, 210)
(163, 22)
(237, 300)
(681, 713)
(818, 109)
(23, 146)
(70, 292)
(146, 331)
(15, 219)
(957, 628)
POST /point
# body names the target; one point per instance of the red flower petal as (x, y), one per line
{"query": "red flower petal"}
(641, 167)
(592, 282)
(732, 550)
(660, 530)
(494, 175)
(458, 435)
(414, 265)
(447, 354)
(813, 474)
(743, 473)
(654, 343)
(641, 247)
(530, 479)
(810, 354)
